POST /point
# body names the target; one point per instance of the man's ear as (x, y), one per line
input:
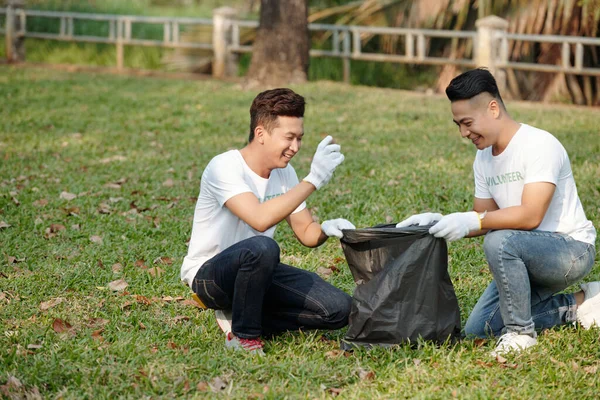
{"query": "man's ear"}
(494, 108)
(259, 134)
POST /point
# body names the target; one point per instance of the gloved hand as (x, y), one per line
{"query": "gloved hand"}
(325, 161)
(420, 219)
(456, 226)
(333, 227)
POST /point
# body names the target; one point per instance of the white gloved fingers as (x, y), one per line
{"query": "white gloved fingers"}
(420, 219)
(331, 228)
(345, 224)
(331, 148)
(328, 139)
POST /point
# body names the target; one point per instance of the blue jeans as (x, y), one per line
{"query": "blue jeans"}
(529, 268)
(267, 297)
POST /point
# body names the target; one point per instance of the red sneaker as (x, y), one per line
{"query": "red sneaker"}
(254, 346)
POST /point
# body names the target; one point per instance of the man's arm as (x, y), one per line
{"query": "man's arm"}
(308, 232)
(262, 216)
(535, 201)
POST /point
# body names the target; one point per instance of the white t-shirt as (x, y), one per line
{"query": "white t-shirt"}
(215, 228)
(534, 155)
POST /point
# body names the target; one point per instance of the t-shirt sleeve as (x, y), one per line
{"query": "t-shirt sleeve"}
(225, 179)
(292, 180)
(482, 190)
(544, 161)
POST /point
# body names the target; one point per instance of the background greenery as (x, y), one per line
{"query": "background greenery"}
(132, 150)
(154, 58)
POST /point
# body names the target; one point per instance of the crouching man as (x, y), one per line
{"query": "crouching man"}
(233, 263)
(538, 240)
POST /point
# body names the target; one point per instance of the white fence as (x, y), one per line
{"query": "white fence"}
(489, 44)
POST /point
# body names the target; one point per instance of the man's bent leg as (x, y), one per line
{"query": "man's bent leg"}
(300, 299)
(238, 278)
(528, 267)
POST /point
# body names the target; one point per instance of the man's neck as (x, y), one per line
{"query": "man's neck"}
(507, 132)
(255, 161)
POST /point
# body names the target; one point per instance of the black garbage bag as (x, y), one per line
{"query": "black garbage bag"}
(404, 291)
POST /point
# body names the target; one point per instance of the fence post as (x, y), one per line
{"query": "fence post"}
(14, 40)
(488, 52)
(224, 61)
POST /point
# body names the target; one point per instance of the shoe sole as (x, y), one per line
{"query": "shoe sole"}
(591, 306)
(224, 320)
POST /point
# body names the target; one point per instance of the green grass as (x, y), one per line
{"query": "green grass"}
(79, 132)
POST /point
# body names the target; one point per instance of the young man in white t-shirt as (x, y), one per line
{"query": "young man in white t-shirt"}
(538, 240)
(233, 262)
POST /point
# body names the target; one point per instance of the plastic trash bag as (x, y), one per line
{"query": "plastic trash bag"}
(404, 291)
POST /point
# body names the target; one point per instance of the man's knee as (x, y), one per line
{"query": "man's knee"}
(497, 241)
(265, 248)
(338, 307)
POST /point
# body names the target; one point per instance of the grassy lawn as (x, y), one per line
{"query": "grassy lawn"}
(132, 150)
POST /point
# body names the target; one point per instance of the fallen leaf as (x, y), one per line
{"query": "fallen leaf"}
(181, 318)
(366, 375)
(169, 183)
(67, 196)
(140, 264)
(479, 342)
(500, 359)
(417, 362)
(34, 346)
(40, 203)
(97, 335)
(98, 322)
(117, 268)
(142, 326)
(171, 345)
(57, 228)
(484, 364)
(164, 260)
(118, 285)
(192, 303)
(334, 353)
(112, 185)
(104, 208)
(46, 305)
(75, 227)
(142, 299)
(217, 384)
(96, 239)
(202, 386)
(335, 391)
(156, 271)
(61, 326)
(324, 272)
(591, 369)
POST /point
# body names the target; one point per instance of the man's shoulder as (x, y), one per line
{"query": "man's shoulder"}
(536, 139)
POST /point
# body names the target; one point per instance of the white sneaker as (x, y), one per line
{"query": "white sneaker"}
(513, 342)
(224, 320)
(588, 313)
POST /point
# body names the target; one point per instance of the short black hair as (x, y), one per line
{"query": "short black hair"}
(471, 83)
(270, 104)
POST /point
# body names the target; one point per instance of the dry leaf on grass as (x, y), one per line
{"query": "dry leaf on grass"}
(156, 271)
(117, 268)
(118, 285)
(324, 272)
(217, 384)
(366, 375)
(96, 239)
(67, 196)
(40, 203)
(61, 326)
(46, 305)
(169, 183)
(181, 318)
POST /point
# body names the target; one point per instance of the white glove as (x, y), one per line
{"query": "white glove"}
(456, 226)
(420, 219)
(334, 227)
(325, 161)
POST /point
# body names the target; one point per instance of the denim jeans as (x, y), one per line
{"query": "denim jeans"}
(529, 268)
(267, 297)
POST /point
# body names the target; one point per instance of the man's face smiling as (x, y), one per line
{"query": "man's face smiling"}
(475, 119)
(284, 141)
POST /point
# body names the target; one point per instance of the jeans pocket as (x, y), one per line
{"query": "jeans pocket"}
(211, 294)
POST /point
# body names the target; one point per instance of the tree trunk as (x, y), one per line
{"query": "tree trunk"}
(280, 54)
